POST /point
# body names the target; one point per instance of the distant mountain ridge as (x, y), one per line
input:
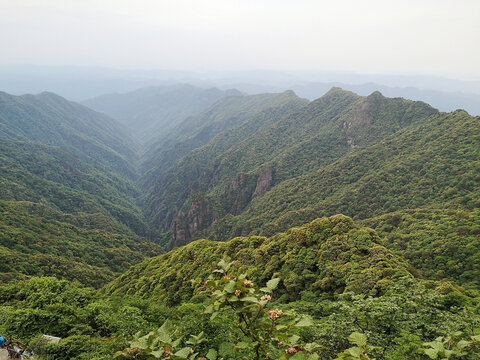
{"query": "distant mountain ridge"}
(156, 109)
(79, 83)
(442, 100)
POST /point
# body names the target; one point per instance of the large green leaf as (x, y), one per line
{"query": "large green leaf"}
(304, 321)
(358, 339)
(230, 287)
(183, 353)
(212, 354)
(163, 333)
(273, 283)
(226, 349)
(431, 353)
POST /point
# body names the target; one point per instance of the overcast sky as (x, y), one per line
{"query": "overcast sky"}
(439, 37)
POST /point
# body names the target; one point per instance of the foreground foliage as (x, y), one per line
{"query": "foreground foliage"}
(234, 318)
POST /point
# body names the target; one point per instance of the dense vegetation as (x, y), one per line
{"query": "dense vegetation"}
(435, 161)
(37, 246)
(328, 256)
(443, 243)
(51, 175)
(209, 185)
(404, 320)
(398, 279)
(51, 120)
(68, 203)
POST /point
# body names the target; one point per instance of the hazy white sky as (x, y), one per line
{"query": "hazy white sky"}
(375, 36)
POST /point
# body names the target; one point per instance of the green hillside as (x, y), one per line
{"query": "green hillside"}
(52, 175)
(329, 255)
(221, 178)
(331, 269)
(51, 120)
(31, 245)
(67, 191)
(443, 243)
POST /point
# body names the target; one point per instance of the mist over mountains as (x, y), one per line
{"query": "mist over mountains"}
(82, 83)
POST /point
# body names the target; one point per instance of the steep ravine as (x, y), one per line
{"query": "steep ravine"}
(241, 149)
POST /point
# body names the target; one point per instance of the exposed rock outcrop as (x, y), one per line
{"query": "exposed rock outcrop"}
(198, 216)
(264, 181)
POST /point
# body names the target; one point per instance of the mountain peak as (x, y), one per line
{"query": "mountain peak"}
(376, 94)
(290, 93)
(335, 92)
(46, 96)
(233, 92)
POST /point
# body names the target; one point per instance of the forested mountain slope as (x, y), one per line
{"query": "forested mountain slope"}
(442, 242)
(68, 177)
(433, 161)
(39, 246)
(208, 185)
(52, 175)
(329, 255)
(51, 120)
(250, 113)
(246, 165)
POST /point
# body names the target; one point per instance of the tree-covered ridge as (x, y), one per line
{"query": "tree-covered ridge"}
(442, 243)
(329, 255)
(318, 134)
(227, 123)
(52, 175)
(219, 179)
(433, 161)
(32, 245)
(233, 118)
(51, 120)
(67, 175)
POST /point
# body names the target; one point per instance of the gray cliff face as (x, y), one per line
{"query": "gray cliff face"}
(264, 181)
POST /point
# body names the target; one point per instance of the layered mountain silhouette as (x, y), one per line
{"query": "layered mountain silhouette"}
(155, 109)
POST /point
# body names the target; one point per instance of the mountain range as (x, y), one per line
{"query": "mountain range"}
(342, 198)
(231, 164)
